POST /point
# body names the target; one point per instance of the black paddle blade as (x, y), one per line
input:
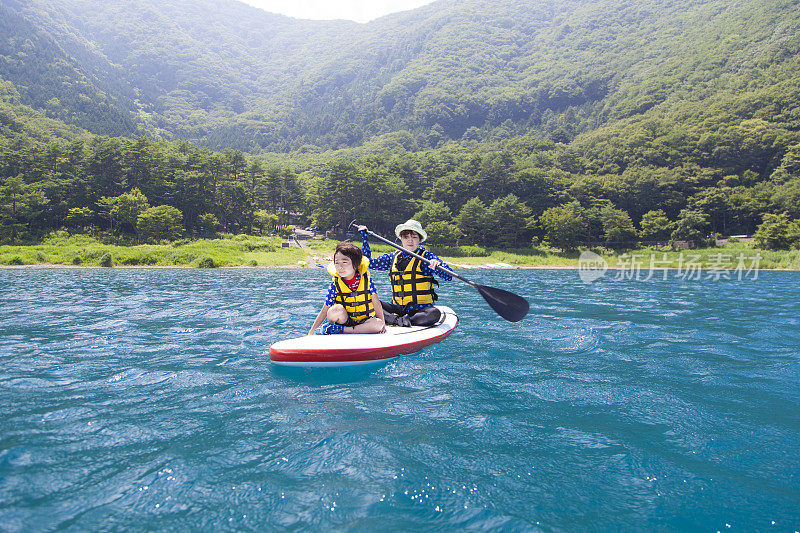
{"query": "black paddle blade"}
(508, 305)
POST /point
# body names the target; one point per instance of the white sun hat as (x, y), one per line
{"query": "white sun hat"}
(411, 225)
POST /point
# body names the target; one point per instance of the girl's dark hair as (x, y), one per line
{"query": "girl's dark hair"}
(350, 250)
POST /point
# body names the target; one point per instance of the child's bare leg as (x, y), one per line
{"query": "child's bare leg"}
(337, 314)
(370, 325)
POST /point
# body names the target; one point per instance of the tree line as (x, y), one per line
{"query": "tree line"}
(510, 194)
(122, 186)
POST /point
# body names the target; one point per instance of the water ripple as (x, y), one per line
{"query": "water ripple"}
(134, 397)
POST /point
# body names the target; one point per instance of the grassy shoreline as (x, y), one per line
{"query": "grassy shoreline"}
(83, 250)
(63, 250)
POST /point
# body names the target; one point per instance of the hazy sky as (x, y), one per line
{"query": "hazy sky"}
(358, 10)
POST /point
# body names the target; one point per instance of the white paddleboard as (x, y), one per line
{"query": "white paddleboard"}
(359, 349)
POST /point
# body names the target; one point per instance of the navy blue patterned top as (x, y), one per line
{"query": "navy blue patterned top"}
(384, 262)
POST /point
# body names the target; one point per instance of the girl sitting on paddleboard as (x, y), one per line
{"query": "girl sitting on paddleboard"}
(412, 280)
(352, 304)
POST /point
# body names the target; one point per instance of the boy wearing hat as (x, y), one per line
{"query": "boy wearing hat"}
(412, 280)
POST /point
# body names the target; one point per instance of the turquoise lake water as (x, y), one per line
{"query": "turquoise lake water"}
(145, 399)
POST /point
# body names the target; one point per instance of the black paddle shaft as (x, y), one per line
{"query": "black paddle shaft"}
(508, 305)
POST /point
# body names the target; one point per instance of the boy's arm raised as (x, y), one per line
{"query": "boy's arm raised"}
(365, 249)
(383, 262)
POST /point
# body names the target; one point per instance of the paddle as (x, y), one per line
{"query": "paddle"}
(508, 305)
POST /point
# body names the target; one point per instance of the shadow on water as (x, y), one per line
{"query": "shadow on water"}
(326, 376)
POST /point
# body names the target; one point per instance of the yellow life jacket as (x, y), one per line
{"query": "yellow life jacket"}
(410, 286)
(357, 303)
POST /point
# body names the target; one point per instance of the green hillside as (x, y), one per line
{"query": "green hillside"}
(230, 76)
(498, 123)
(18, 121)
(54, 71)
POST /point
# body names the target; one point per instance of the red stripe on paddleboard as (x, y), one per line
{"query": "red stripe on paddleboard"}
(343, 355)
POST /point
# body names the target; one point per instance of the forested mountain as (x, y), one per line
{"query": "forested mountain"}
(226, 75)
(495, 122)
